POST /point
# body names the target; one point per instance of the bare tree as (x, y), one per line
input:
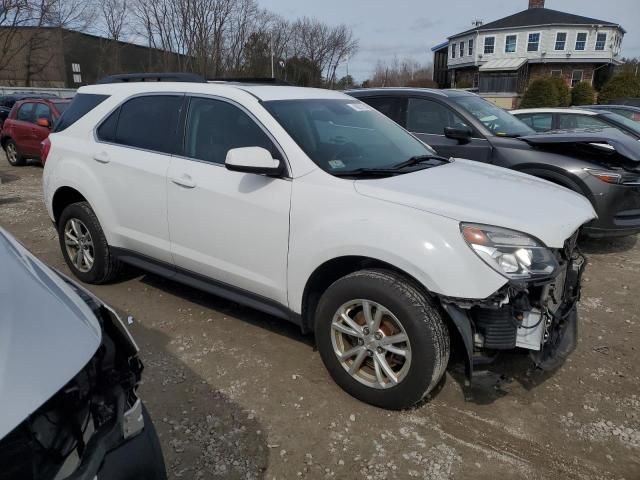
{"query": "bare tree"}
(402, 73)
(114, 18)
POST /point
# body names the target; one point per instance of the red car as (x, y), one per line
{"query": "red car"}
(27, 125)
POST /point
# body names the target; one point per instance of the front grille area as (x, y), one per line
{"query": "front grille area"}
(627, 218)
(498, 328)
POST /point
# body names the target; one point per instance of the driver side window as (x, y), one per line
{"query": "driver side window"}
(214, 127)
(426, 116)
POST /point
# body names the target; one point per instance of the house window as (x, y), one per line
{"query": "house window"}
(75, 67)
(576, 77)
(534, 42)
(470, 48)
(453, 50)
(489, 45)
(601, 40)
(461, 49)
(510, 43)
(561, 40)
(556, 73)
(581, 41)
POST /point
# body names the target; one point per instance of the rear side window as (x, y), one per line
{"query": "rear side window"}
(25, 113)
(149, 122)
(81, 104)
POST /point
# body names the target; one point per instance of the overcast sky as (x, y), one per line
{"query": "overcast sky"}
(409, 28)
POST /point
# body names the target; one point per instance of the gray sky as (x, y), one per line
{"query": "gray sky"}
(411, 27)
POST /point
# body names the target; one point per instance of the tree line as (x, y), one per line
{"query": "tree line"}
(214, 38)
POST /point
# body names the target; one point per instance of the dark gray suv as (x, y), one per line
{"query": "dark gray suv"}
(601, 164)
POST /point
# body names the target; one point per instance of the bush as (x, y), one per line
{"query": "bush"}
(564, 93)
(622, 85)
(542, 92)
(582, 94)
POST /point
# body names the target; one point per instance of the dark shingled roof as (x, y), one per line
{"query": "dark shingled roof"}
(538, 16)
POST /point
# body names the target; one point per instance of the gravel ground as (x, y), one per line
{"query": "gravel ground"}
(237, 394)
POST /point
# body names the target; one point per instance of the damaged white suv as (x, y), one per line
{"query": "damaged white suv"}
(309, 205)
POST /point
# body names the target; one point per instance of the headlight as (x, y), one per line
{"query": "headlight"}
(512, 254)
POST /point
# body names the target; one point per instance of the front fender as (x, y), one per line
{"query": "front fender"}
(426, 246)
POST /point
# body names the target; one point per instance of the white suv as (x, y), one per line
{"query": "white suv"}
(311, 206)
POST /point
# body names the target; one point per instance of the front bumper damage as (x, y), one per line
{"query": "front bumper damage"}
(537, 316)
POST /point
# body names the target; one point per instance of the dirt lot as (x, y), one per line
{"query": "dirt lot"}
(237, 394)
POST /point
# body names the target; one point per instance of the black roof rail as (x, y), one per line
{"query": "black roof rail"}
(152, 77)
(254, 80)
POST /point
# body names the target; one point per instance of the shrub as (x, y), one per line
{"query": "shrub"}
(542, 92)
(582, 94)
(622, 85)
(564, 93)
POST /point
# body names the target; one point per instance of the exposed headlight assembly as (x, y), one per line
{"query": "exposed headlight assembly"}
(513, 254)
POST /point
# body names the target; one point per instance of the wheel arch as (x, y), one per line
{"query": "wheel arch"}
(331, 270)
(62, 198)
(558, 176)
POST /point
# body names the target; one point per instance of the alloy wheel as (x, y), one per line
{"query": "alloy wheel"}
(12, 154)
(371, 344)
(79, 245)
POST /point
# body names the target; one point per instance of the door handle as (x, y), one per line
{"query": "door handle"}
(184, 180)
(101, 157)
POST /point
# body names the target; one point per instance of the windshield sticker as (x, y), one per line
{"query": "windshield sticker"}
(360, 107)
(336, 163)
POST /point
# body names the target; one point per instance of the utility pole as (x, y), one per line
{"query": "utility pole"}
(272, 65)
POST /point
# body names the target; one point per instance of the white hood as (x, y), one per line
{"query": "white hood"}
(476, 192)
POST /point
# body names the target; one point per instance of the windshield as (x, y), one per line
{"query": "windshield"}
(496, 120)
(624, 121)
(346, 135)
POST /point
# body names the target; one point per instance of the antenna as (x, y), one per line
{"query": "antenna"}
(477, 22)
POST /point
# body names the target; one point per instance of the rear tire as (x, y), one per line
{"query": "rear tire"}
(383, 309)
(84, 245)
(13, 157)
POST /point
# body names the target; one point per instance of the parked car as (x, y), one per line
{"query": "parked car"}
(8, 101)
(310, 206)
(547, 119)
(629, 111)
(70, 371)
(28, 124)
(464, 125)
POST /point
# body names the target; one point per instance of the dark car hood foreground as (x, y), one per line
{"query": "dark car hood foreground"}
(47, 333)
(622, 148)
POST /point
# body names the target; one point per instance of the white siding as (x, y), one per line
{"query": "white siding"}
(546, 50)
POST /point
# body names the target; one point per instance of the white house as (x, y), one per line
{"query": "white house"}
(500, 58)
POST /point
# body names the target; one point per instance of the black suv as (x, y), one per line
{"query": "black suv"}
(601, 164)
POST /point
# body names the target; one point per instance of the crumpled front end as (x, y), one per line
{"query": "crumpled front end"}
(536, 315)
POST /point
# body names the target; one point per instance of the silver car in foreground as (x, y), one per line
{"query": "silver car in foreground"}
(69, 371)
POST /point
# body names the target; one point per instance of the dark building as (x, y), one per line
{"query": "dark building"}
(58, 58)
(440, 67)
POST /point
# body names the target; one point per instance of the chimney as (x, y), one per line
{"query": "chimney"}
(536, 3)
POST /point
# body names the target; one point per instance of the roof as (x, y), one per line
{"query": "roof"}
(261, 92)
(537, 17)
(503, 64)
(440, 46)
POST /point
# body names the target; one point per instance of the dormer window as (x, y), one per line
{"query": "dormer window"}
(534, 42)
(489, 45)
(601, 41)
(561, 41)
(581, 41)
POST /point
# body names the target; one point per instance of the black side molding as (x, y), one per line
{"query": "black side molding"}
(207, 284)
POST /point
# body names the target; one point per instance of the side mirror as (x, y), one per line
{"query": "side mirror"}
(256, 160)
(462, 134)
(43, 122)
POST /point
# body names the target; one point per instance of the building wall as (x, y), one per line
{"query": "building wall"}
(546, 51)
(566, 70)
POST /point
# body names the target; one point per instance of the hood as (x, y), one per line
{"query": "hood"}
(474, 192)
(47, 333)
(591, 141)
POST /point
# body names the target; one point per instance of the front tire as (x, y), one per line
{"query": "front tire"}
(381, 338)
(13, 157)
(84, 245)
